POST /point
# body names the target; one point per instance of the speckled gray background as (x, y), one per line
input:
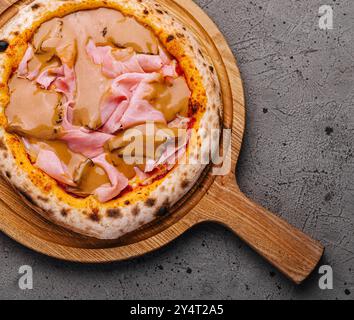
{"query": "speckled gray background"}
(297, 161)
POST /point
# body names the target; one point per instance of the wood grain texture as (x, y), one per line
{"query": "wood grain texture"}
(213, 199)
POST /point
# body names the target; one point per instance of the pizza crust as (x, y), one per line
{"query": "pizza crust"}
(141, 206)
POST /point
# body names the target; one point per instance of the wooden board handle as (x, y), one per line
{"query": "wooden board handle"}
(291, 251)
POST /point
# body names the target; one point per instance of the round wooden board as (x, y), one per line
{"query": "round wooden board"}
(24, 225)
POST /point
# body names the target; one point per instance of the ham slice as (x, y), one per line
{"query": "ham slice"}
(149, 63)
(116, 102)
(114, 63)
(88, 143)
(171, 155)
(114, 122)
(140, 110)
(50, 163)
(164, 56)
(23, 71)
(111, 67)
(141, 174)
(169, 68)
(63, 79)
(66, 83)
(118, 181)
(128, 95)
(80, 140)
(46, 78)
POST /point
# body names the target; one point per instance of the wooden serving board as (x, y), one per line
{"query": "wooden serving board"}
(215, 199)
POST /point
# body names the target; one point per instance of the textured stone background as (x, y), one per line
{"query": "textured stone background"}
(297, 161)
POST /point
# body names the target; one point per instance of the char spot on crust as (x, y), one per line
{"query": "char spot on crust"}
(4, 44)
(26, 196)
(94, 216)
(159, 11)
(211, 68)
(136, 211)
(127, 202)
(36, 6)
(146, 11)
(170, 38)
(185, 184)
(150, 202)
(8, 174)
(114, 213)
(65, 212)
(164, 210)
(43, 199)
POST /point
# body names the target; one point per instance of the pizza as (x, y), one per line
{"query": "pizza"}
(107, 110)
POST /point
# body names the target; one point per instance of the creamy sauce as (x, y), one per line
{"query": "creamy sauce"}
(171, 99)
(43, 62)
(70, 159)
(32, 111)
(123, 167)
(55, 39)
(142, 142)
(108, 25)
(91, 87)
(36, 114)
(146, 138)
(83, 172)
(92, 177)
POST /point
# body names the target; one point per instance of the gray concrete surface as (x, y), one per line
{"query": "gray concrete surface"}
(297, 160)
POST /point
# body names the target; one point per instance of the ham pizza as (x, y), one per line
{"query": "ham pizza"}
(108, 109)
